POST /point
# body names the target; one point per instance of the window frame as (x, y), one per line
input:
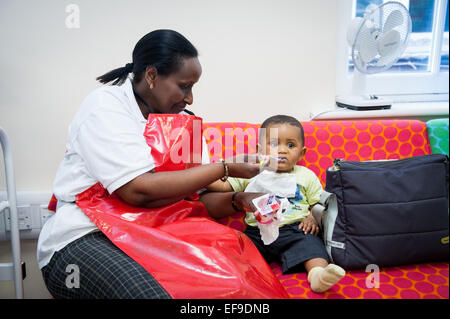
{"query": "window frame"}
(414, 84)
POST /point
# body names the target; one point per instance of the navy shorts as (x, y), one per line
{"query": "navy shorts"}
(292, 247)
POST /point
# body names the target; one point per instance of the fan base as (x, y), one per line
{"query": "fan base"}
(362, 103)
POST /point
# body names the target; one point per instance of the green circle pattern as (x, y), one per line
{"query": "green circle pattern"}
(438, 134)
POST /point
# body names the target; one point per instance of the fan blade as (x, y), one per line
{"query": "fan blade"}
(388, 59)
(385, 60)
(352, 30)
(388, 43)
(394, 19)
(366, 45)
(391, 52)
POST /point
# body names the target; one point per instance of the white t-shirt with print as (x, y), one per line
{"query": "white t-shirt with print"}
(105, 144)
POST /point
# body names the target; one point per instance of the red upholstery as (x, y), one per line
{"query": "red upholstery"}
(350, 140)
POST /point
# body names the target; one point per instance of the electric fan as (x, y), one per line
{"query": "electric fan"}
(377, 41)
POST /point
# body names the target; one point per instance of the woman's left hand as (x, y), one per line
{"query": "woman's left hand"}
(244, 201)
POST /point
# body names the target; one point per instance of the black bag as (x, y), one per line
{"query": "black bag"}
(387, 213)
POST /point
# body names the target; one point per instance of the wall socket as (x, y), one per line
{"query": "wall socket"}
(24, 215)
(32, 212)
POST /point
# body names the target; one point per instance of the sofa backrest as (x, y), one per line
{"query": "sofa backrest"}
(327, 140)
(357, 140)
(438, 135)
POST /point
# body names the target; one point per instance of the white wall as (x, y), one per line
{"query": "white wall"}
(259, 58)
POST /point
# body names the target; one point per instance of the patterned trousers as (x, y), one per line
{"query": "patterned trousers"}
(92, 267)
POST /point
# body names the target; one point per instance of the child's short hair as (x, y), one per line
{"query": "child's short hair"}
(285, 119)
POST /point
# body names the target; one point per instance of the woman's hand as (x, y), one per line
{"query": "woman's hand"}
(309, 225)
(243, 166)
(244, 200)
(243, 170)
(244, 158)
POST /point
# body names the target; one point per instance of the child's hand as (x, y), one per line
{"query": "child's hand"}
(309, 225)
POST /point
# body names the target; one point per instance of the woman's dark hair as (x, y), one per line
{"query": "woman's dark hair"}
(162, 49)
(284, 119)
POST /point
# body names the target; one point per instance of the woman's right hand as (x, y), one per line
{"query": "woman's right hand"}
(243, 170)
(243, 166)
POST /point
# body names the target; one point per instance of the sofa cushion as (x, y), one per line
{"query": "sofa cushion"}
(326, 140)
(438, 135)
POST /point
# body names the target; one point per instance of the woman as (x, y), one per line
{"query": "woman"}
(105, 144)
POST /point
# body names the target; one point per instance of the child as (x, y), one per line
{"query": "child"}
(297, 244)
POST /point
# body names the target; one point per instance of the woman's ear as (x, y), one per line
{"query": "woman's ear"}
(150, 75)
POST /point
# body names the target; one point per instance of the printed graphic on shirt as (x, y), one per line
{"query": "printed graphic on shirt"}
(295, 202)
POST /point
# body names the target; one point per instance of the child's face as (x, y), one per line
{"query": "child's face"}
(284, 144)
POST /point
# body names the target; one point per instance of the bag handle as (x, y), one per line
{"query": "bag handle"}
(318, 210)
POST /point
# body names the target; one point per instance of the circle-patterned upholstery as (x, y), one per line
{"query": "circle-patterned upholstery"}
(350, 140)
(438, 135)
(422, 281)
(325, 141)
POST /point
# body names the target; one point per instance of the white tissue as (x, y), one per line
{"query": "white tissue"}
(270, 232)
(280, 184)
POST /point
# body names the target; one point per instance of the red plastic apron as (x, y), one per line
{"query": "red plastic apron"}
(188, 253)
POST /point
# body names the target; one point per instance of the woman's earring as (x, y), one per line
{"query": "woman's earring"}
(151, 85)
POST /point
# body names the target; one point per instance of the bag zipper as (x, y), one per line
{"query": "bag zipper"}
(337, 162)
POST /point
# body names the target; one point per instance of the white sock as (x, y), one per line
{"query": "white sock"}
(322, 279)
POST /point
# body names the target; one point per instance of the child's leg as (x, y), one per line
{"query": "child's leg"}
(321, 275)
(315, 262)
(252, 232)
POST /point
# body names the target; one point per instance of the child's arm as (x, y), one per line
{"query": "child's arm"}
(219, 186)
(310, 224)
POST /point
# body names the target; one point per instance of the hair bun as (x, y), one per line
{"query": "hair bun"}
(129, 67)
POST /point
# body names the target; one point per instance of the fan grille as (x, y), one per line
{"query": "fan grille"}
(377, 22)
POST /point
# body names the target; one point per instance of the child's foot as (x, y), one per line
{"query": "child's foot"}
(322, 279)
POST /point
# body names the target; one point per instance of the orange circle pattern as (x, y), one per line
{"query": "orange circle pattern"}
(325, 141)
(421, 281)
(356, 141)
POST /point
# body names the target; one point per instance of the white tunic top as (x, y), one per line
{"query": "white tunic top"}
(105, 144)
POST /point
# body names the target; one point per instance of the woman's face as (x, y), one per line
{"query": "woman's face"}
(171, 94)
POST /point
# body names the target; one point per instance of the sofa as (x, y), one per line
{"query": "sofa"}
(356, 140)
